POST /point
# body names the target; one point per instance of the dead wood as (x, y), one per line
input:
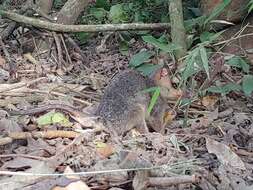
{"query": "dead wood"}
(82, 28)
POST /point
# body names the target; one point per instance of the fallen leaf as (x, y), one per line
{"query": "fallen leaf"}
(2, 61)
(209, 101)
(225, 155)
(206, 120)
(104, 149)
(99, 144)
(9, 126)
(19, 182)
(53, 118)
(19, 163)
(169, 116)
(77, 185)
(61, 119)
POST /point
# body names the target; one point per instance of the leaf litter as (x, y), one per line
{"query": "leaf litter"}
(216, 146)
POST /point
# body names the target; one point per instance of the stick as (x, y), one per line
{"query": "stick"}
(82, 28)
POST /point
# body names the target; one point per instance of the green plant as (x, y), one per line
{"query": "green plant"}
(250, 6)
(156, 93)
(138, 61)
(57, 4)
(246, 84)
(217, 10)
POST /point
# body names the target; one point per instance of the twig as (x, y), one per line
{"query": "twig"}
(59, 50)
(21, 84)
(78, 49)
(82, 28)
(38, 134)
(236, 36)
(66, 49)
(44, 134)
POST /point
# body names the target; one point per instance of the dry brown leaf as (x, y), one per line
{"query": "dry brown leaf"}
(105, 151)
(206, 120)
(2, 61)
(20, 182)
(209, 101)
(169, 116)
(225, 155)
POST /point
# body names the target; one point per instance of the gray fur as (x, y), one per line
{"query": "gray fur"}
(124, 105)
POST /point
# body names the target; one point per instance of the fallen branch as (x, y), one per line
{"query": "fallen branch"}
(82, 28)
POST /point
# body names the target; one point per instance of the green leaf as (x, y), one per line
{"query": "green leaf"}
(205, 36)
(82, 36)
(191, 66)
(98, 13)
(58, 3)
(123, 47)
(153, 100)
(185, 102)
(217, 10)
(204, 59)
(103, 4)
(99, 144)
(155, 42)
(190, 24)
(224, 89)
(250, 6)
(247, 84)
(151, 89)
(210, 37)
(147, 69)
(60, 119)
(238, 62)
(140, 58)
(45, 119)
(53, 118)
(117, 14)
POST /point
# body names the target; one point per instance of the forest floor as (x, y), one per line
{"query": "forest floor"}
(215, 150)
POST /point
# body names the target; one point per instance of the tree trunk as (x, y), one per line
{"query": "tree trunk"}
(45, 5)
(177, 27)
(70, 11)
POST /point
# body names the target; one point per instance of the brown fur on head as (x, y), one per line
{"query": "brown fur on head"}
(162, 79)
